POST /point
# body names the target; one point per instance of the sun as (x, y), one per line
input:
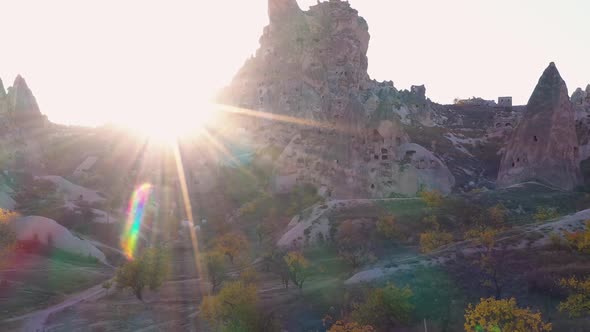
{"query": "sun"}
(171, 125)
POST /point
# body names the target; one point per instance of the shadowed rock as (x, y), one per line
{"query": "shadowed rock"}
(21, 99)
(279, 10)
(2, 91)
(544, 146)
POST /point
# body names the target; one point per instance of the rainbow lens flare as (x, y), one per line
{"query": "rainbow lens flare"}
(135, 213)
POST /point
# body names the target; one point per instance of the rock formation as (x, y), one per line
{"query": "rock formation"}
(2, 91)
(49, 232)
(341, 129)
(581, 97)
(544, 146)
(21, 100)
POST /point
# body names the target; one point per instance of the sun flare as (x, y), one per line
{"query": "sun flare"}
(171, 125)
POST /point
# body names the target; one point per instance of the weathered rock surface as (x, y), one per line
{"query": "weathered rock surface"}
(21, 100)
(544, 147)
(46, 230)
(341, 129)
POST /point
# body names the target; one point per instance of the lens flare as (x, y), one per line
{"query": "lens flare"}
(135, 213)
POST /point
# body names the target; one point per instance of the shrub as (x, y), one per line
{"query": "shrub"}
(433, 240)
(544, 214)
(148, 270)
(492, 315)
(578, 302)
(385, 307)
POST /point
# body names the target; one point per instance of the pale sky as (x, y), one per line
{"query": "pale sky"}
(89, 62)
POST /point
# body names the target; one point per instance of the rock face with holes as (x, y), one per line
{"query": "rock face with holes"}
(340, 129)
(544, 147)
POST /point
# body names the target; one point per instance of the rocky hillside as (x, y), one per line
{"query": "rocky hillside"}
(346, 132)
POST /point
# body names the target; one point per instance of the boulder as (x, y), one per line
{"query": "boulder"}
(48, 231)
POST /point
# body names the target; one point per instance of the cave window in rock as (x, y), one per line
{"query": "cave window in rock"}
(398, 141)
(498, 125)
(576, 152)
(513, 164)
(410, 153)
(372, 186)
(509, 125)
(376, 157)
(384, 151)
(384, 157)
(535, 138)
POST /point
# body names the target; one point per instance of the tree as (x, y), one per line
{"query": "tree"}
(433, 240)
(433, 198)
(497, 215)
(491, 260)
(107, 285)
(544, 214)
(273, 261)
(352, 244)
(233, 309)
(492, 315)
(232, 245)
(216, 269)
(248, 276)
(385, 307)
(7, 236)
(387, 227)
(298, 267)
(579, 241)
(342, 326)
(578, 302)
(148, 270)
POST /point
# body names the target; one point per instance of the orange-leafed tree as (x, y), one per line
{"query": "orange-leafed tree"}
(298, 267)
(578, 302)
(342, 326)
(491, 315)
(232, 245)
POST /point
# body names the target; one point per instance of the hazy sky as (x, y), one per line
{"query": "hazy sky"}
(89, 62)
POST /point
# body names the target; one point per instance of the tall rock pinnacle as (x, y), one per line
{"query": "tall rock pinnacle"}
(21, 100)
(544, 146)
(279, 10)
(2, 91)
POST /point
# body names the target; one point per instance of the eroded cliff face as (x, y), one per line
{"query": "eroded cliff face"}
(340, 129)
(544, 146)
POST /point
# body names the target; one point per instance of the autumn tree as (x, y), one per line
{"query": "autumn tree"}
(298, 267)
(7, 235)
(249, 276)
(492, 315)
(432, 198)
(216, 269)
(342, 326)
(273, 261)
(388, 228)
(432, 240)
(233, 309)
(579, 240)
(545, 213)
(578, 302)
(352, 244)
(232, 245)
(491, 260)
(385, 307)
(497, 215)
(148, 270)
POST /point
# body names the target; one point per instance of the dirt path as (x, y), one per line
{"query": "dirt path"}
(35, 321)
